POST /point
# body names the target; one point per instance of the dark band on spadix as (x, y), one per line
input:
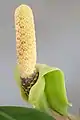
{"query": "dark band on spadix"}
(27, 83)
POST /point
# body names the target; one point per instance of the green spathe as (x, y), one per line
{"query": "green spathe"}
(49, 92)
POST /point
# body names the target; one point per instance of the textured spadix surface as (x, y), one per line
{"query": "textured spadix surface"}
(25, 40)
